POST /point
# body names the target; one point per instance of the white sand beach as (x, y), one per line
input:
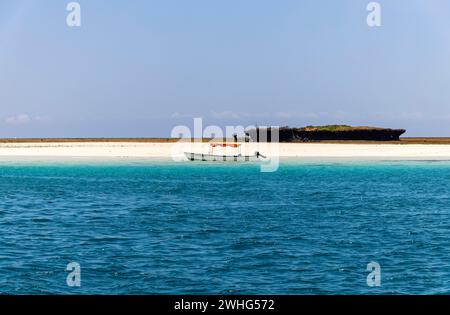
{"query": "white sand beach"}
(175, 150)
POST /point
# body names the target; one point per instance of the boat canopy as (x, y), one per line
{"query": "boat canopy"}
(225, 144)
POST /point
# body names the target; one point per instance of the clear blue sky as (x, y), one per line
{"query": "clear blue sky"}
(138, 68)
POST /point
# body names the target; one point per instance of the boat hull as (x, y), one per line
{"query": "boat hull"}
(220, 158)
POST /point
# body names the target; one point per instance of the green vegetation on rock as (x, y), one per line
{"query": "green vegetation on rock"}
(335, 128)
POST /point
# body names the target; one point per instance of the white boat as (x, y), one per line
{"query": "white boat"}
(211, 156)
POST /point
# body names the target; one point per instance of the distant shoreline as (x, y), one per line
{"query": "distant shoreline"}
(165, 148)
(404, 140)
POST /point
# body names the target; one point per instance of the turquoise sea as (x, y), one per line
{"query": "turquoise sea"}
(152, 226)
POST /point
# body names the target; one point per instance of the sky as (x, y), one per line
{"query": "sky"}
(139, 68)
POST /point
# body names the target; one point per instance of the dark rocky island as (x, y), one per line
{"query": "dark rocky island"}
(329, 132)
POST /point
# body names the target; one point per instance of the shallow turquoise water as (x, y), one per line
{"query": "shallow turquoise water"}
(141, 227)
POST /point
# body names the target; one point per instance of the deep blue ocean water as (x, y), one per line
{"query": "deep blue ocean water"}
(143, 227)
